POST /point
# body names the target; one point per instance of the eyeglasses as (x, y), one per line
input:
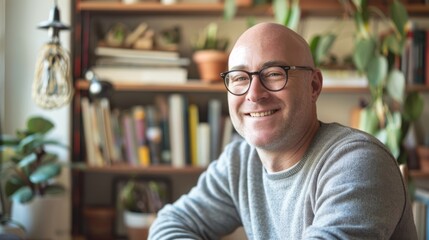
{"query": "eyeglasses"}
(273, 78)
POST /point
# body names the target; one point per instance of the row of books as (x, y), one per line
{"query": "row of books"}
(167, 132)
(142, 66)
(415, 59)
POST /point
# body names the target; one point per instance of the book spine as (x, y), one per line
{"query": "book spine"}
(177, 134)
(129, 139)
(203, 139)
(193, 128)
(162, 106)
(139, 117)
(214, 119)
(154, 134)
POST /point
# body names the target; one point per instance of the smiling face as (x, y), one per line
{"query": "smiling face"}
(274, 121)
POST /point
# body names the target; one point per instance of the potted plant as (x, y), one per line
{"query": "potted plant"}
(391, 109)
(28, 173)
(140, 201)
(210, 53)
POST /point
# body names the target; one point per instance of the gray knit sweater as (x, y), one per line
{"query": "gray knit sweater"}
(347, 186)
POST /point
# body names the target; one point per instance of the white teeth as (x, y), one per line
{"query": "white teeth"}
(261, 114)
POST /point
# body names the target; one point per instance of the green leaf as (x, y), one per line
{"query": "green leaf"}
(54, 189)
(45, 172)
(229, 9)
(294, 16)
(281, 9)
(13, 184)
(396, 85)
(393, 131)
(363, 52)
(320, 45)
(368, 120)
(22, 195)
(413, 106)
(27, 160)
(399, 16)
(39, 125)
(377, 71)
(393, 44)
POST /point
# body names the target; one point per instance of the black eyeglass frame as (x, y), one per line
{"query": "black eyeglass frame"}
(285, 68)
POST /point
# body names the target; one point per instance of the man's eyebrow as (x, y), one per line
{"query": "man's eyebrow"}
(273, 63)
(238, 67)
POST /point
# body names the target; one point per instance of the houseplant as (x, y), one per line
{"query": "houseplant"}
(286, 12)
(391, 109)
(210, 53)
(140, 201)
(28, 170)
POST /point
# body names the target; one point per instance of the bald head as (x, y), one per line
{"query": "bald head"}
(270, 40)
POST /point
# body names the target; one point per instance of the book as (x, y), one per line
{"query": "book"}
(193, 133)
(177, 133)
(135, 53)
(343, 78)
(214, 119)
(158, 75)
(140, 128)
(203, 139)
(130, 143)
(154, 134)
(108, 130)
(141, 62)
(161, 103)
(227, 131)
(93, 154)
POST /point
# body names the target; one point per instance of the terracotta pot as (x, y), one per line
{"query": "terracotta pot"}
(210, 64)
(99, 222)
(423, 156)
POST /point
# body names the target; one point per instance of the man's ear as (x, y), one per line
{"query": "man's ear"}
(316, 84)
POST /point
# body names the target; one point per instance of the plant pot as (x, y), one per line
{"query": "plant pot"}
(138, 224)
(210, 64)
(43, 217)
(99, 222)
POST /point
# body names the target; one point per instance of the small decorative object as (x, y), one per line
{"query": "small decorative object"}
(116, 35)
(210, 54)
(52, 86)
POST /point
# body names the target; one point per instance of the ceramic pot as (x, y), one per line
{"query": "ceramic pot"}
(43, 217)
(210, 64)
(138, 224)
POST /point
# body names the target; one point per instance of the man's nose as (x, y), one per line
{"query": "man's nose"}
(257, 91)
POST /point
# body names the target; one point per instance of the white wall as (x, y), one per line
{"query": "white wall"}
(21, 41)
(2, 60)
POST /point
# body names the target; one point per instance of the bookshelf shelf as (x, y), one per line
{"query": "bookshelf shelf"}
(419, 174)
(308, 7)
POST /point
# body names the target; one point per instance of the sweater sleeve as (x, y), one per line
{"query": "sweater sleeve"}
(207, 212)
(359, 194)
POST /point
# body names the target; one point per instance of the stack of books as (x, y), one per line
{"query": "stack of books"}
(140, 66)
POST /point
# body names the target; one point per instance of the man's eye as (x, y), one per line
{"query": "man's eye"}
(239, 78)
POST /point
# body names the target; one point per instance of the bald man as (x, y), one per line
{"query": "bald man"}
(291, 176)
